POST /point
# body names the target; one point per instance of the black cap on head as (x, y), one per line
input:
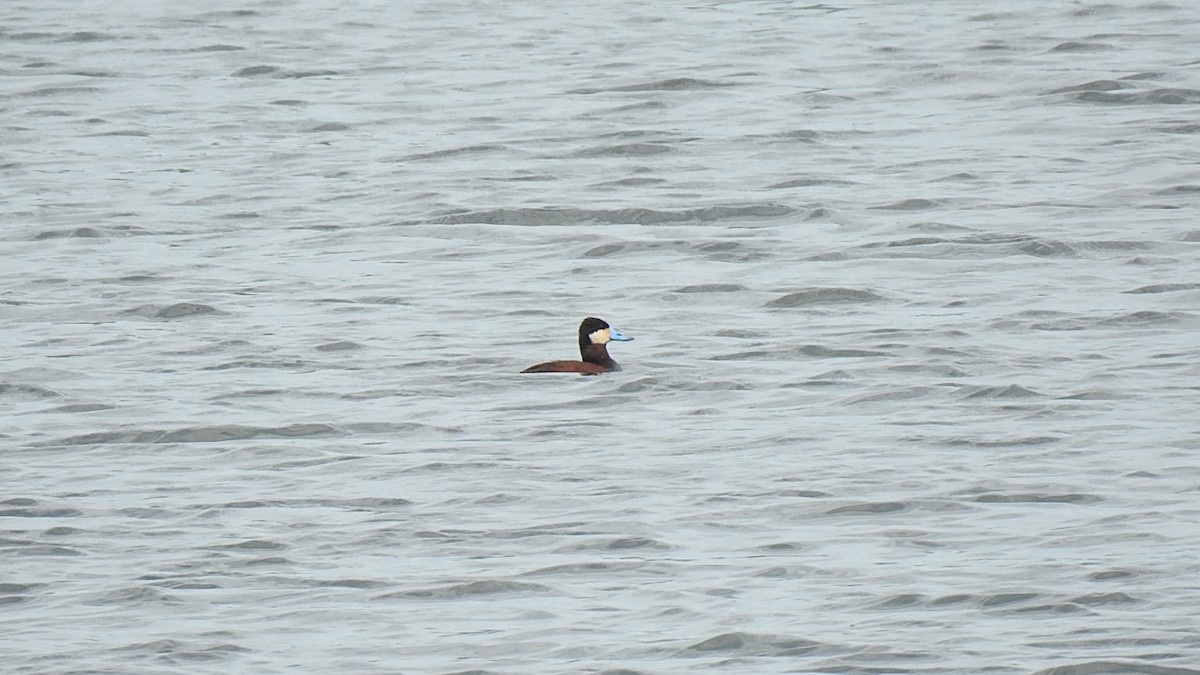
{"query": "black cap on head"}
(591, 325)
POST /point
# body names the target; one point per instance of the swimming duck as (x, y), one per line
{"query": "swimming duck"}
(594, 334)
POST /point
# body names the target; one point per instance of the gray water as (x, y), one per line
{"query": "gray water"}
(914, 289)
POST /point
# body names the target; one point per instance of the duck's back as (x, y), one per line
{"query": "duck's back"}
(567, 367)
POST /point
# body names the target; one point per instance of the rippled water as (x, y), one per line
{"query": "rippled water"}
(914, 288)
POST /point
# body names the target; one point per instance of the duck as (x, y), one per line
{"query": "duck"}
(594, 335)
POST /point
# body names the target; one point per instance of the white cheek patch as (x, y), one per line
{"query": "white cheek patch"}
(600, 337)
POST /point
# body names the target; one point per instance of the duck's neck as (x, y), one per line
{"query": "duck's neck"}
(597, 354)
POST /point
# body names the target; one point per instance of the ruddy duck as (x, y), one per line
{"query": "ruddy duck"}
(594, 334)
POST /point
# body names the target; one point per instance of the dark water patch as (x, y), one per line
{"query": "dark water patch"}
(135, 596)
(654, 135)
(136, 133)
(994, 46)
(950, 600)
(649, 384)
(784, 571)
(711, 250)
(175, 311)
(606, 250)
(217, 48)
(75, 232)
(269, 561)
(1080, 47)
(1170, 96)
(91, 232)
(361, 584)
(377, 300)
(928, 368)
(1018, 441)
(338, 346)
(755, 645)
(1113, 575)
(499, 498)
(144, 512)
(1146, 318)
(357, 504)
(808, 182)
(868, 509)
(818, 296)
(30, 36)
(1180, 128)
(40, 512)
(818, 351)
(439, 467)
(1187, 189)
(915, 204)
(300, 365)
(250, 545)
(624, 150)
(1163, 96)
(803, 135)
(632, 216)
(710, 288)
(452, 152)
(48, 92)
(632, 182)
(894, 394)
(253, 393)
(1054, 608)
(808, 351)
(26, 391)
(1037, 498)
(1006, 599)
(1106, 643)
(630, 543)
(1092, 395)
(670, 84)
(1010, 391)
(468, 590)
(1165, 288)
(301, 74)
(184, 585)
(86, 36)
(259, 71)
(240, 215)
(1106, 599)
(1047, 248)
(1094, 85)
(213, 434)
(913, 241)
(587, 568)
(61, 531)
(1116, 668)
(395, 428)
(33, 549)
(802, 494)
(137, 279)
(165, 646)
(742, 334)
(525, 177)
(900, 601)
